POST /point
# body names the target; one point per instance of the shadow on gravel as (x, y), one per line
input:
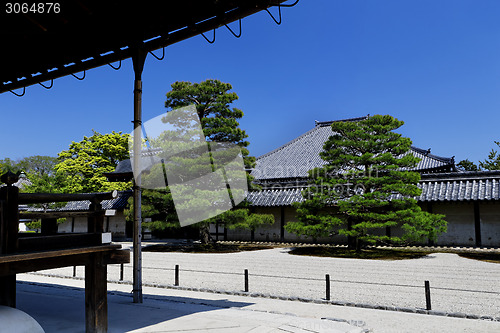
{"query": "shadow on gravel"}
(205, 248)
(488, 257)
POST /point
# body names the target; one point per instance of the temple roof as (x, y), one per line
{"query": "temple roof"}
(295, 158)
(447, 187)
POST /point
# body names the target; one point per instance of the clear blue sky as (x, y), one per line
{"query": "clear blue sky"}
(433, 63)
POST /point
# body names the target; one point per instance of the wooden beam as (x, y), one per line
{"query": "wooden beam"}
(31, 243)
(58, 214)
(12, 266)
(56, 253)
(30, 198)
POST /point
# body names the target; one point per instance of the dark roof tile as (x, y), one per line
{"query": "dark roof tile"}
(459, 186)
(295, 158)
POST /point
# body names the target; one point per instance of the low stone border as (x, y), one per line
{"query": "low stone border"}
(436, 248)
(298, 299)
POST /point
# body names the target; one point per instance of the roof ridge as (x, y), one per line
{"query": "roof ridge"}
(327, 123)
(427, 153)
(461, 174)
(288, 143)
(317, 125)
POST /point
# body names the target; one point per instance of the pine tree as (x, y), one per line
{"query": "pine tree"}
(366, 186)
(219, 122)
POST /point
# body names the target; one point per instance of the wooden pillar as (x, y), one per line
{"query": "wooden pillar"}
(96, 221)
(282, 223)
(429, 210)
(9, 225)
(96, 299)
(138, 59)
(477, 223)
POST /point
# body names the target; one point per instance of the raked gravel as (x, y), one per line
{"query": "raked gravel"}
(458, 285)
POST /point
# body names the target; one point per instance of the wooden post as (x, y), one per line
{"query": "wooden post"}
(327, 278)
(95, 222)
(9, 225)
(429, 209)
(176, 282)
(428, 296)
(138, 59)
(121, 272)
(96, 299)
(49, 226)
(246, 280)
(477, 224)
(282, 223)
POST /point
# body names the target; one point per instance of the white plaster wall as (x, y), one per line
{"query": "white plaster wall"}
(490, 223)
(460, 218)
(116, 225)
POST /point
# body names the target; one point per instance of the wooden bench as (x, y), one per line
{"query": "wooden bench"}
(22, 253)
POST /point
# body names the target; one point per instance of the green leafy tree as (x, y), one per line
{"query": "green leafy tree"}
(365, 187)
(466, 165)
(83, 164)
(42, 178)
(493, 160)
(219, 122)
(7, 164)
(38, 165)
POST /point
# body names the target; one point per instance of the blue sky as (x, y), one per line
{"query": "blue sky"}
(433, 63)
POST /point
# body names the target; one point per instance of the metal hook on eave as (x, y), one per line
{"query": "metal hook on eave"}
(51, 84)
(79, 78)
(162, 56)
(116, 68)
(274, 19)
(210, 41)
(19, 95)
(290, 5)
(235, 35)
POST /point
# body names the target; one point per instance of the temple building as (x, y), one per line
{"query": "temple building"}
(470, 200)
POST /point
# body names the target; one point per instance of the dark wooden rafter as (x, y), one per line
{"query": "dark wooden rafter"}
(112, 30)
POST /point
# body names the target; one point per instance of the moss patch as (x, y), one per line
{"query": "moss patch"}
(378, 254)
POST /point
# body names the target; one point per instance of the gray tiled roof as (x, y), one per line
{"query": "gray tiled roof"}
(118, 203)
(461, 186)
(456, 186)
(295, 158)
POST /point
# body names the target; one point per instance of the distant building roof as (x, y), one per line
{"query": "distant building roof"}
(455, 186)
(295, 158)
(123, 171)
(118, 203)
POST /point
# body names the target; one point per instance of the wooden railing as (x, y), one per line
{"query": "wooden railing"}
(24, 252)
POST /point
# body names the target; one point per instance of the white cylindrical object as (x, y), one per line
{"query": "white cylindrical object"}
(16, 321)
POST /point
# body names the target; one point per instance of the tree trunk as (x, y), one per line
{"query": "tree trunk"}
(205, 236)
(351, 240)
(359, 244)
